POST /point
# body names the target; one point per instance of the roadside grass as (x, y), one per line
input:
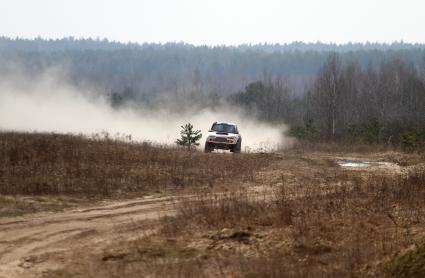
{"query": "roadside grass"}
(52, 164)
(350, 230)
(51, 172)
(321, 221)
(295, 214)
(409, 264)
(339, 147)
(382, 152)
(11, 206)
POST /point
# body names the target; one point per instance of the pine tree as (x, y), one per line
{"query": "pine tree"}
(189, 136)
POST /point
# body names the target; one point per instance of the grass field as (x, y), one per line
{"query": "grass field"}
(78, 169)
(295, 213)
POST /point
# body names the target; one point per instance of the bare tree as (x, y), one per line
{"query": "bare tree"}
(328, 87)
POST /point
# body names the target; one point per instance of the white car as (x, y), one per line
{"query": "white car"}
(223, 136)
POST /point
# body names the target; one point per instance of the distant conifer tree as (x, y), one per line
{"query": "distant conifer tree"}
(189, 137)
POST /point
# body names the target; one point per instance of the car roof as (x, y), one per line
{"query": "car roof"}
(224, 123)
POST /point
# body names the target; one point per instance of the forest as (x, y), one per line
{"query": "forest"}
(348, 103)
(368, 93)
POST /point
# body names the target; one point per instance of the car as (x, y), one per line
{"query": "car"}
(223, 136)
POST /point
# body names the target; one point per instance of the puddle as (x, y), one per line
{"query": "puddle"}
(353, 164)
(363, 164)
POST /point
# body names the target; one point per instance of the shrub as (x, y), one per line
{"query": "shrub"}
(366, 132)
(409, 264)
(412, 139)
(305, 132)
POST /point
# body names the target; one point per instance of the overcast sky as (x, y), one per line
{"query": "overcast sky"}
(217, 21)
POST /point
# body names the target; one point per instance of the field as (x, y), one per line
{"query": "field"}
(78, 207)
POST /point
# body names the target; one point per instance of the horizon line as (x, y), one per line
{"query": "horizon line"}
(267, 43)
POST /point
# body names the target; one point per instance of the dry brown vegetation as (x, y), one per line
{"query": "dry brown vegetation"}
(293, 214)
(40, 164)
(349, 229)
(74, 170)
(318, 220)
(18, 205)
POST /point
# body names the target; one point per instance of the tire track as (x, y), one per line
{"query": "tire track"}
(41, 235)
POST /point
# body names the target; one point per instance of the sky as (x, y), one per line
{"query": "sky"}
(217, 22)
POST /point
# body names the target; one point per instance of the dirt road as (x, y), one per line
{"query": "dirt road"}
(32, 244)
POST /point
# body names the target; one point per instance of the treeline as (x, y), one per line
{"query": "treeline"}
(371, 93)
(152, 72)
(71, 43)
(348, 103)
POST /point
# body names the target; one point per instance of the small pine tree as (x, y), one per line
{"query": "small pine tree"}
(189, 136)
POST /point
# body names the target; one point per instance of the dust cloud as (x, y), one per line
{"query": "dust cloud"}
(48, 104)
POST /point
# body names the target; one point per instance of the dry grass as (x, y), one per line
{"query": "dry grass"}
(236, 210)
(295, 214)
(11, 206)
(40, 164)
(334, 147)
(348, 229)
(317, 220)
(385, 152)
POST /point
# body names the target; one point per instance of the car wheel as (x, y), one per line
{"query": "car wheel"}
(208, 148)
(238, 147)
